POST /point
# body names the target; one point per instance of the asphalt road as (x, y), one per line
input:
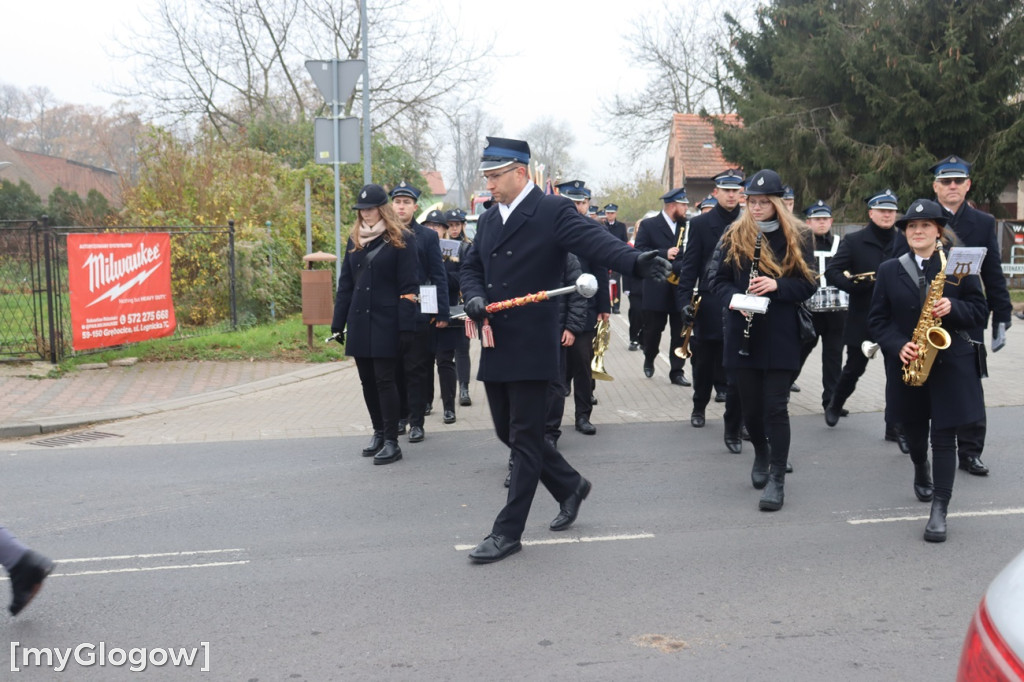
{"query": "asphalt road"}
(299, 560)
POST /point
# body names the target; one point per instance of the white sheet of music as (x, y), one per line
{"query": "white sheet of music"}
(965, 260)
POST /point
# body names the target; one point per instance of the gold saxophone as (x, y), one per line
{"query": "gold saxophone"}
(929, 335)
(673, 278)
(602, 339)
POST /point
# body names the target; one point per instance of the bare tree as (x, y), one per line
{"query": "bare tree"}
(549, 142)
(467, 128)
(679, 47)
(225, 63)
(14, 109)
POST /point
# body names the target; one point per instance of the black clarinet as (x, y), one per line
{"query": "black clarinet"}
(745, 345)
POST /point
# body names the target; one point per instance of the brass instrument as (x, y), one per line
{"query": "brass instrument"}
(683, 350)
(754, 272)
(602, 339)
(673, 278)
(859, 277)
(929, 335)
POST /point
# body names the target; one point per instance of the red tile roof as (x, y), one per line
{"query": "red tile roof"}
(435, 183)
(694, 149)
(45, 173)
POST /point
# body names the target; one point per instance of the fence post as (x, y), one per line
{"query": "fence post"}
(231, 271)
(49, 255)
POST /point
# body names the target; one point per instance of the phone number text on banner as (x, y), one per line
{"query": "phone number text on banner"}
(120, 288)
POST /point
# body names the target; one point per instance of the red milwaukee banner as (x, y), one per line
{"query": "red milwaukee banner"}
(120, 287)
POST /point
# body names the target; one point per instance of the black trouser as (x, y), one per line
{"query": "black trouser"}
(970, 439)
(636, 317)
(708, 372)
(415, 374)
(380, 393)
(518, 411)
(580, 354)
(853, 370)
(555, 401)
(445, 378)
(654, 324)
(764, 396)
(944, 457)
(829, 328)
(462, 367)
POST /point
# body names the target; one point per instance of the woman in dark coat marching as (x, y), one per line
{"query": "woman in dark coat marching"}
(949, 393)
(767, 253)
(376, 308)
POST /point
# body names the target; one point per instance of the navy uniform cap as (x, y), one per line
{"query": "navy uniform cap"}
(729, 179)
(600, 213)
(819, 209)
(591, 210)
(787, 192)
(709, 202)
(883, 201)
(574, 189)
(923, 209)
(611, 208)
(371, 196)
(503, 151)
(765, 182)
(677, 195)
(404, 189)
(951, 167)
(437, 217)
(456, 215)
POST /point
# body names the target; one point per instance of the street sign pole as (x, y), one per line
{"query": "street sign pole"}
(337, 170)
(363, 27)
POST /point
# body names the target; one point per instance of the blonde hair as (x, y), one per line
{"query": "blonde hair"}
(738, 242)
(393, 229)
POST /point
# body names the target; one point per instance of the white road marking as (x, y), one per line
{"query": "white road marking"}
(123, 557)
(148, 568)
(63, 563)
(989, 512)
(572, 540)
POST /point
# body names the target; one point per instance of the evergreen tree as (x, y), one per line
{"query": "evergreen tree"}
(19, 202)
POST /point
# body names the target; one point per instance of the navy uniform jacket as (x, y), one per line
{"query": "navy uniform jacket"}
(952, 395)
(705, 231)
(430, 268)
(524, 256)
(774, 335)
(369, 299)
(860, 251)
(618, 230)
(655, 234)
(977, 228)
(448, 338)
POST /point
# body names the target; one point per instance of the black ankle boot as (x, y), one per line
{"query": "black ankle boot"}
(923, 481)
(771, 498)
(375, 444)
(389, 453)
(935, 530)
(759, 473)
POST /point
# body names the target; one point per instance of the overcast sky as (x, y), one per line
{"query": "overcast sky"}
(563, 58)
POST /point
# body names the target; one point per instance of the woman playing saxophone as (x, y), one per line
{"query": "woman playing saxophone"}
(946, 390)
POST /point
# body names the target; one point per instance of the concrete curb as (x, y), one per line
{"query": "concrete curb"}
(71, 421)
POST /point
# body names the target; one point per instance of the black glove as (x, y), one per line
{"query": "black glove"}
(649, 265)
(405, 340)
(338, 335)
(688, 315)
(476, 309)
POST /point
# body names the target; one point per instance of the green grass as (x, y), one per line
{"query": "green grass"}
(283, 341)
(1017, 295)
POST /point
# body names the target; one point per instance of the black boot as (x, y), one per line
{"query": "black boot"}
(389, 453)
(771, 498)
(464, 398)
(27, 578)
(833, 411)
(759, 472)
(935, 530)
(923, 481)
(375, 444)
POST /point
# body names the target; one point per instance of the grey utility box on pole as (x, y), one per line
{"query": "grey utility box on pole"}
(336, 140)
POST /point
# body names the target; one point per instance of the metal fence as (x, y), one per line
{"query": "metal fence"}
(35, 319)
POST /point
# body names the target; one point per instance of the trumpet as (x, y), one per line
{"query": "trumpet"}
(602, 340)
(859, 277)
(673, 278)
(683, 350)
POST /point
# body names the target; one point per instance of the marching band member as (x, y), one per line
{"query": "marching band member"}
(520, 249)
(765, 253)
(375, 306)
(457, 231)
(665, 233)
(617, 230)
(853, 270)
(447, 337)
(912, 291)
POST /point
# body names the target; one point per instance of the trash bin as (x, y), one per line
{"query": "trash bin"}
(317, 293)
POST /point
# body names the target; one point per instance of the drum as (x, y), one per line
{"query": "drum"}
(828, 300)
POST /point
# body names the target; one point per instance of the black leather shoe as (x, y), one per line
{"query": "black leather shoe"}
(719, 397)
(923, 488)
(733, 443)
(593, 399)
(832, 414)
(428, 409)
(697, 420)
(584, 426)
(389, 453)
(903, 443)
(449, 416)
(375, 444)
(774, 493)
(844, 412)
(744, 434)
(648, 369)
(759, 472)
(681, 380)
(793, 388)
(464, 398)
(789, 467)
(633, 345)
(402, 424)
(571, 507)
(415, 434)
(974, 465)
(27, 578)
(494, 548)
(935, 529)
